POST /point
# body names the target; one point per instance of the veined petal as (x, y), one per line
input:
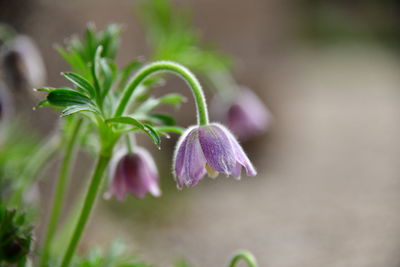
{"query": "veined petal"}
(178, 168)
(194, 161)
(240, 155)
(217, 148)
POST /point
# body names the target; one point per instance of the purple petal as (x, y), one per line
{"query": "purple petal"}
(248, 116)
(152, 183)
(194, 161)
(118, 187)
(237, 170)
(140, 175)
(240, 155)
(135, 173)
(179, 156)
(217, 148)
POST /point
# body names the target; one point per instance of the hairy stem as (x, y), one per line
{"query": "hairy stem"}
(166, 66)
(243, 255)
(88, 204)
(60, 192)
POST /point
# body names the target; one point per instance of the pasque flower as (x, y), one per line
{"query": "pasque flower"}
(208, 149)
(134, 173)
(246, 116)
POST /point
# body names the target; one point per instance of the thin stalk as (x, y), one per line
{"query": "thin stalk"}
(243, 255)
(60, 192)
(166, 66)
(88, 205)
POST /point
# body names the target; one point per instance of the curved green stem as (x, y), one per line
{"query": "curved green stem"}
(59, 194)
(88, 204)
(243, 255)
(166, 66)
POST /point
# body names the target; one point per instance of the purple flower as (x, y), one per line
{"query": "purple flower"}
(208, 149)
(134, 173)
(246, 116)
(23, 64)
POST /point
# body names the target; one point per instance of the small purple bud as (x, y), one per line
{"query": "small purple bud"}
(246, 116)
(23, 64)
(134, 173)
(208, 149)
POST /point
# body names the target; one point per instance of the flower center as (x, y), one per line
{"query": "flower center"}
(211, 172)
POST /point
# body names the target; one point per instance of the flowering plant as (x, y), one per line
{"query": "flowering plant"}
(102, 110)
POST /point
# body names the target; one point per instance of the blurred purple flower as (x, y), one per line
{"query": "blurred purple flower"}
(134, 173)
(246, 116)
(208, 149)
(5, 105)
(23, 64)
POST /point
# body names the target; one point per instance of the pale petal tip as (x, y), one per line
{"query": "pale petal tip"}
(155, 190)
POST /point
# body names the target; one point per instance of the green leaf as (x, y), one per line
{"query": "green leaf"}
(172, 99)
(50, 89)
(43, 103)
(80, 82)
(96, 69)
(170, 129)
(109, 39)
(127, 71)
(74, 59)
(162, 119)
(90, 41)
(109, 72)
(65, 98)
(148, 129)
(76, 108)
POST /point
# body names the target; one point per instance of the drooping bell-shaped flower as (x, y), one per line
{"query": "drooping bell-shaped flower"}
(246, 116)
(208, 149)
(134, 173)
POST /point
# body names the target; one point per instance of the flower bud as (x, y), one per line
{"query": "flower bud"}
(134, 173)
(246, 116)
(208, 149)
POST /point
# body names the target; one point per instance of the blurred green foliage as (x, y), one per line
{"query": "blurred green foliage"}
(172, 37)
(328, 22)
(15, 236)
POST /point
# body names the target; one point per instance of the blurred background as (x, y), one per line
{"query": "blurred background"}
(328, 189)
